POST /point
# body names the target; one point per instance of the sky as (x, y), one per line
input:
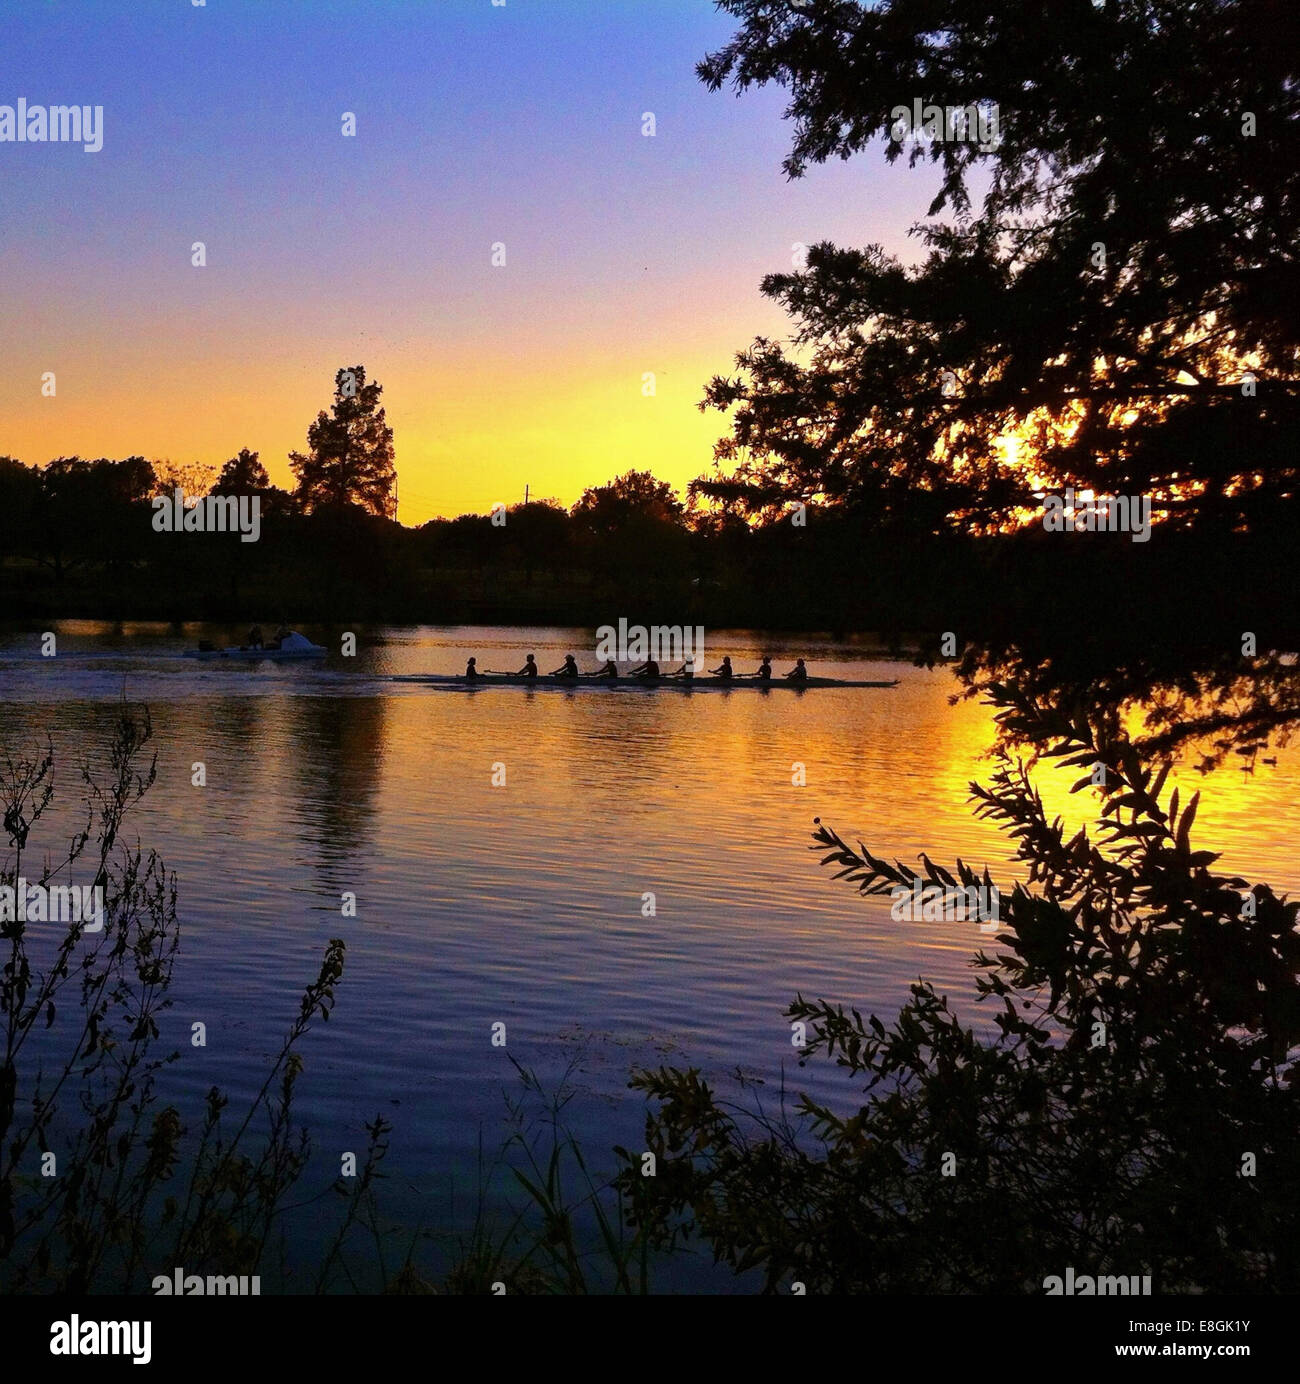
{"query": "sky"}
(477, 125)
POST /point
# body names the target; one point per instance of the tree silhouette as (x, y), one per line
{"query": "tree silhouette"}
(1118, 302)
(539, 531)
(242, 475)
(632, 498)
(350, 461)
(93, 511)
(20, 488)
(634, 526)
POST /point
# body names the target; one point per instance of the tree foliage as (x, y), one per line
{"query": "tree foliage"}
(350, 456)
(633, 499)
(243, 474)
(1124, 273)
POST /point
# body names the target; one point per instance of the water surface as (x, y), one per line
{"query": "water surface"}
(526, 903)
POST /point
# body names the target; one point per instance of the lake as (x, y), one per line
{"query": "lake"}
(526, 904)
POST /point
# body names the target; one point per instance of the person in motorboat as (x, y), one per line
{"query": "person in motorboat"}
(529, 670)
(798, 673)
(570, 669)
(471, 668)
(724, 672)
(648, 671)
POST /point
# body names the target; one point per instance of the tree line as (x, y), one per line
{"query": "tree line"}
(76, 539)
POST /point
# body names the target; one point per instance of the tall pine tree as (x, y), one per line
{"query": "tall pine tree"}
(350, 461)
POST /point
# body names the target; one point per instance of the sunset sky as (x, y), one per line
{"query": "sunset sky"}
(476, 123)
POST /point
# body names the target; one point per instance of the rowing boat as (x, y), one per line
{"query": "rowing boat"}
(591, 683)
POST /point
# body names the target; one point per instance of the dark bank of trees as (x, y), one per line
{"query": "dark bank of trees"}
(76, 540)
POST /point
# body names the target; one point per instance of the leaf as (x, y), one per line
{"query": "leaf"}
(1160, 781)
(1189, 816)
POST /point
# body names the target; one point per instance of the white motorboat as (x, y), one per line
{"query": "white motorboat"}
(293, 646)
